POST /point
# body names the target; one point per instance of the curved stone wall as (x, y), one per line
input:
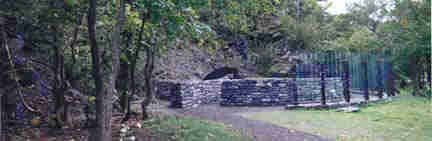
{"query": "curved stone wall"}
(249, 92)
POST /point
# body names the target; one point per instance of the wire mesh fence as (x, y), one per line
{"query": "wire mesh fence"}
(365, 73)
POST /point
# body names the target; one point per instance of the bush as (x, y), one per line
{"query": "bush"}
(427, 93)
(264, 61)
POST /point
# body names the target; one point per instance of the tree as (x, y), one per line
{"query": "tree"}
(104, 96)
(165, 21)
(411, 42)
(399, 27)
(369, 13)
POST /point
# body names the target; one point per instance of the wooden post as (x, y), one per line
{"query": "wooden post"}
(346, 82)
(3, 45)
(429, 77)
(391, 81)
(295, 85)
(323, 75)
(379, 79)
(365, 81)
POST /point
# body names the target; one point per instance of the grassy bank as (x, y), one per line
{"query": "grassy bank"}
(404, 118)
(167, 128)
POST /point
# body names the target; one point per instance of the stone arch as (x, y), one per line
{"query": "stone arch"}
(222, 72)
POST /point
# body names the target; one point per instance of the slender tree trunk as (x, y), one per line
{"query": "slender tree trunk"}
(115, 51)
(101, 132)
(150, 55)
(2, 95)
(76, 69)
(60, 80)
(133, 67)
(298, 11)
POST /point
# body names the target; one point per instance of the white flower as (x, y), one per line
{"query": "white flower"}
(123, 130)
(138, 125)
(132, 138)
(333, 91)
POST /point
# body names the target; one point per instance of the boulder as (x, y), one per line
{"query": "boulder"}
(349, 109)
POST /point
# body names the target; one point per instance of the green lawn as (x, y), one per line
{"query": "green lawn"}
(191, 129)
(405, 118)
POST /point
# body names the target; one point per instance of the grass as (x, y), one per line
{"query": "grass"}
(405, 118)
(191, 129)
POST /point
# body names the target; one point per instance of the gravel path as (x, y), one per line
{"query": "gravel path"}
(259, 130)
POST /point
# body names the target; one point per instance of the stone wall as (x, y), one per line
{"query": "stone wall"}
(265, 92)
(309, 89)
(166, 88)
(249, 92)
(188, 94)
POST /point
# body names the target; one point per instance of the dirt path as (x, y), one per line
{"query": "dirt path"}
(259, 130)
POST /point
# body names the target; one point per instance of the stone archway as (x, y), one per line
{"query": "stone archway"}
(222, 72)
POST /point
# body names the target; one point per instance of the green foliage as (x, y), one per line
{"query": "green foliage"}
(427, 93)
(411, 41)
(264, 61)
(303, 27)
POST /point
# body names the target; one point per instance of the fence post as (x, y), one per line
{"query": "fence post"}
(390, 86)
(323, 75)
(429, 77)
(379, 78)
(295, 97)
(365, 80)
(346, 81)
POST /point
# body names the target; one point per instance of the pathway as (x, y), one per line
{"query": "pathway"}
(259, 130)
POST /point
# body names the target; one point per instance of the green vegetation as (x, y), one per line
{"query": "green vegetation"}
(404, 118)
(192, 129)
(107, 49)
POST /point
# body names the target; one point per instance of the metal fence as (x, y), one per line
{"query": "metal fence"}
(364, 72)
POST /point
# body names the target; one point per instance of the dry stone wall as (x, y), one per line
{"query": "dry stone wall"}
(249, 92)
(189, 94)
(309, 89)
(166, 88)
(263, 92)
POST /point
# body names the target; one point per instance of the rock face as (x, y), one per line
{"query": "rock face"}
(194, 63)
(249, 92)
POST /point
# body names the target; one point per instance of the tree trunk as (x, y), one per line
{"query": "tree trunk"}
(133, 67)
(2, 95)
(148, 71)
(76, 69)
(101, 132)
(115, 66)
(60, 85)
